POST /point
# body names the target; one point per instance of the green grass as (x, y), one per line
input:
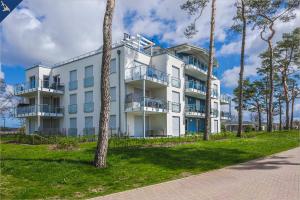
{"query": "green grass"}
(37, 172)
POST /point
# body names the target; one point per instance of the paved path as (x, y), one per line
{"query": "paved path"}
(273, 178)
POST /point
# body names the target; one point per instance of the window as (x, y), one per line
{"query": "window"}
(46, 81)
(73, 122)
(88, 122)
(88, 97)
(113, 66)
(89, 103)
(73, 75)
(73, 99)
(113, 93)
(88, 71)
(175, 77)
(113, 122)
(73, 80)
(73, 104)
(175, 101)
(32, 82)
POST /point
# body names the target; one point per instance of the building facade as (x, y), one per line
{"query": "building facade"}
(154, 92)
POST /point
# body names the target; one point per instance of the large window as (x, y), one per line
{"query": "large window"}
(113, 66)
(73, 127)
(113, 93)
(175, 101)
(88, 122)
(175, 77)
(73, 104)
(88, 76)
(73, 80)
(113, 122)
(88, 101)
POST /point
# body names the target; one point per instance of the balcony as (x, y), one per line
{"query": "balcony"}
(88, 82)
(195, 89)
(194, 67)
(88, 107)
(225, 115)
(72, 108)
(44, 86)
(224, 99)
(41, 110)
(144, 72)
(193, 110)
(147, 104)
(73, 85)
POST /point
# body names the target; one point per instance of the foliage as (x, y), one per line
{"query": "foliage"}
(36, 172)
(67, 143)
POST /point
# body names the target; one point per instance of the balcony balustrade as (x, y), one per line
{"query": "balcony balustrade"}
(72, 108)
(89, 107)
(42, 85)
(73, 85)
(89, 82)
(44, 110)
(224, 99)
(145, 72)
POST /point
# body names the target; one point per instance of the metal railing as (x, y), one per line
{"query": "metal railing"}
(72, 132)
(175, 82)
(73, 85)
(88, 81)
(43, 108)
(32, 85)
(146, 72)
(89, 131)
(195, 85)
(89, 107)
(72, 108)
(53, 131)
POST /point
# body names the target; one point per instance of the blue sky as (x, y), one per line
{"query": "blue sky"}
(45, 32)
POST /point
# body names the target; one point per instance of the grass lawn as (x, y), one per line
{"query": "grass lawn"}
(29, 171)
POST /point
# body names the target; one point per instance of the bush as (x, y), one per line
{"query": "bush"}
(248, 128)
(67, 143)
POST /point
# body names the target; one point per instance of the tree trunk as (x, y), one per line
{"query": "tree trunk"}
(241, 81)
(207, 130)
(280, 114)
(287, 102)
(102, 144)
(259, 118)
(270, 125)
(293, 103)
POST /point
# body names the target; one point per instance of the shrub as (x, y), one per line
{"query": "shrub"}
(248, 128)
(67, 143)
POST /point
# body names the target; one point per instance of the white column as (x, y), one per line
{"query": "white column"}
(144, 124)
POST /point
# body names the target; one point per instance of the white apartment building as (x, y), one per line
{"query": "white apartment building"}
(154, 92)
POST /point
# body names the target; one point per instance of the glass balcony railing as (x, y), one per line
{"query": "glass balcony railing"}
(73, 85)
(89, 82)
(44, 108)
(225, 98)
(134, 102)
(89, 107)
(175, 82)
(195, 108)
(146, 72)
(195, 85)
(33, 85)
(72, 108)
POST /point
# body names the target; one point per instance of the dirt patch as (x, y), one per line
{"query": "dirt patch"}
(185, 174)
(97, 189)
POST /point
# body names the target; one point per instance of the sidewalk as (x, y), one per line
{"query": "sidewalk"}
(276, 177)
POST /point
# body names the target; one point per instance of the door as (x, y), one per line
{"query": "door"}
(216, 126)
(176, 126)
(31, 126)
(138, 126)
